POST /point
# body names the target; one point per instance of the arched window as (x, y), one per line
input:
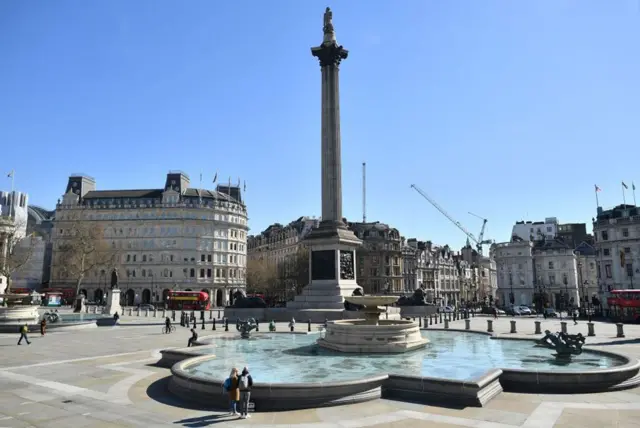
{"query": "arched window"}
(144, 273)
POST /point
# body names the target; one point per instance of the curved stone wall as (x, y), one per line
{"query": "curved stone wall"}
(360, 336)
(271, 396)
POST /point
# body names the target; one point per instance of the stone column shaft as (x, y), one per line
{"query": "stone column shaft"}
(331, 145)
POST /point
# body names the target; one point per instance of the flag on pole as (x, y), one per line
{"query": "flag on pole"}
(624, 185)
(238, 182)
(215, 178)
(10, 175)
(597, 188)
(633, 186)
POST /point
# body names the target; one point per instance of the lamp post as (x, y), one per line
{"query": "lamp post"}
(580, 279)
(566, 293)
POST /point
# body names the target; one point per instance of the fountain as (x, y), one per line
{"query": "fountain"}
(371, 334)
(245, 327)
(564, 344)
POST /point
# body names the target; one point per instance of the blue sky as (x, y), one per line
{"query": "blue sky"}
(509, 110)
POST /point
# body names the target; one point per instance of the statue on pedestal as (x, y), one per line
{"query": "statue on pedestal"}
(114, 278)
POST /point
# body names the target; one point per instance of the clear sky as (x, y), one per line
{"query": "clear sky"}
(511, 110)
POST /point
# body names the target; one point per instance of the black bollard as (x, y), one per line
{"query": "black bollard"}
(202, 315)
(419, 322)
(257, 326)
(440, 317)
(203, 323)
(218, 313)
(226, 324)
(214, 324)
(173, 315)
(194, 323)
(210, 315)
(309, 325)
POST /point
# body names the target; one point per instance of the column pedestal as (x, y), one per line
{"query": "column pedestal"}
(113, 302)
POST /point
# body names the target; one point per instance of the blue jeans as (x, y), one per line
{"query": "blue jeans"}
(233, 408)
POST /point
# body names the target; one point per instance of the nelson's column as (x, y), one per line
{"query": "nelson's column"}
(332, 245)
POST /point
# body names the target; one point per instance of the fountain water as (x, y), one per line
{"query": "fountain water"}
(371, 334)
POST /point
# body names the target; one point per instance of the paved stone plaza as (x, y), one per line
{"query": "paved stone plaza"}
(104, 377)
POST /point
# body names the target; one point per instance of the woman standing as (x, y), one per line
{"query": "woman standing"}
(234, 391)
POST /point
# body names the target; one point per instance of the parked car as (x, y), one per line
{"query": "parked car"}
(512, 310)
(550, 312)
(524, 310)
(146, 306)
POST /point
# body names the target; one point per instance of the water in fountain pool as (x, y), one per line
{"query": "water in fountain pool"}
(295, 358)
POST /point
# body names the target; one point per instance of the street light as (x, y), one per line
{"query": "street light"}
(580, 279)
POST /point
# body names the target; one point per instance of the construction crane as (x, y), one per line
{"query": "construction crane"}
(484, 225)
(479, 242)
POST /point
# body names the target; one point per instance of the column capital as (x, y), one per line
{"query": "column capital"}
(330, 53)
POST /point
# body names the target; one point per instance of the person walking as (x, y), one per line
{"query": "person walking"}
(245, 383)
(575, 317)
(43, 326)
(23, 334)
(167, 325)
(231, 385)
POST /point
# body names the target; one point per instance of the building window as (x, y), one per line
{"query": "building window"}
(629, 270)
(202, 257)
(192, 273)
(606, 252)
(208, 273)
(627, 250)
(550, 265)
(134, 257)
(605, 235)
(144, 258)
(128, 257)
(625, 232)
(144, 273)
(607, 270)
(209, 258)
(552, 279)
(201, 273)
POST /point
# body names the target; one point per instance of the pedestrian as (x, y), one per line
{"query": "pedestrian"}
(167, 325)
(43, 326)
(245, 383)
(193, 338)
(495, 313)
(231, 386)
(575, 317)
(23, 334)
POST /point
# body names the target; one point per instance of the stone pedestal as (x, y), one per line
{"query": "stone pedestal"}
(620, 329)
(592, 331)
(113, 302)
(538, 329)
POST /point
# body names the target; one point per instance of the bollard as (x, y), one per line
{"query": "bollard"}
(563, 327)
(425, 323)
(513, 326)
(201, 315)
(430, 320)
(420, 322)
(130, 311)
(309, 326)
(146, 313)
(155, 313)
(386, 315)
(440, 317)
(620, 327)
(538, 330)
(214, 325)
(446, 323)
(226, 324)
(467, 324)
(164, 313)
(138, 312)
(218, 313)
(173, 315)
(592, 332)
(203, 323)
(489, 326)
(257, 326)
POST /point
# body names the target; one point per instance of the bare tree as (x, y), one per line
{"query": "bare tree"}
(294, 271)
(261, 276)
(83, 250)
(16, 249)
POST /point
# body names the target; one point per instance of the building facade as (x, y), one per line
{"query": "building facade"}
(171, 238)
(379, 259)
(617, 245)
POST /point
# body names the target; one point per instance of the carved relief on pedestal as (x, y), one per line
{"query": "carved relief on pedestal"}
(346, 265)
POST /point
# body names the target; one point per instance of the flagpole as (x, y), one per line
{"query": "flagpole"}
(633, 191)
(13, 177)
(624, 199)
(597, 201)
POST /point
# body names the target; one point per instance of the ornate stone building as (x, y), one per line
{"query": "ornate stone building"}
(379, 260)
(174, 237)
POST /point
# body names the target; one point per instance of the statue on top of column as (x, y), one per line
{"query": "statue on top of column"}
(329, 34)
(114, 279)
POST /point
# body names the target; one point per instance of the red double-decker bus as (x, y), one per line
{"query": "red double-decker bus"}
(188, 300)
(625, 305)
(68, 294)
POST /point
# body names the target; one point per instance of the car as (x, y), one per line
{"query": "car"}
(550, 312)
(524, 310)
(513, 310)
(446, 309)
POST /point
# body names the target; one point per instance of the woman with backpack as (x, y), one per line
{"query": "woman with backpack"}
(231, 385)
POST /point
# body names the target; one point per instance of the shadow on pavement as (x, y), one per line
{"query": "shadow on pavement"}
(204, 421)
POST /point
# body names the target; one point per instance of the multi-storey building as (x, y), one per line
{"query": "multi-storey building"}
(534, 272)
(587, 272)
(485, 267)
(379, 261)
(535, 230)
(175, 237)
(617, 244)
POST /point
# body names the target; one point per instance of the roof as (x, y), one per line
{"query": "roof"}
(154, 194)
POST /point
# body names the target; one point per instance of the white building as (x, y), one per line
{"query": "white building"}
(617, 243)
(14, 205)
(536, 230)
(529, 273)
(175, 237)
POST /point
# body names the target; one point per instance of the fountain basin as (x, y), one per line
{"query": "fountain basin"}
(360, 336)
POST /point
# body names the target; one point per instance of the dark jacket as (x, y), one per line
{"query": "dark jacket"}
(249, 378)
